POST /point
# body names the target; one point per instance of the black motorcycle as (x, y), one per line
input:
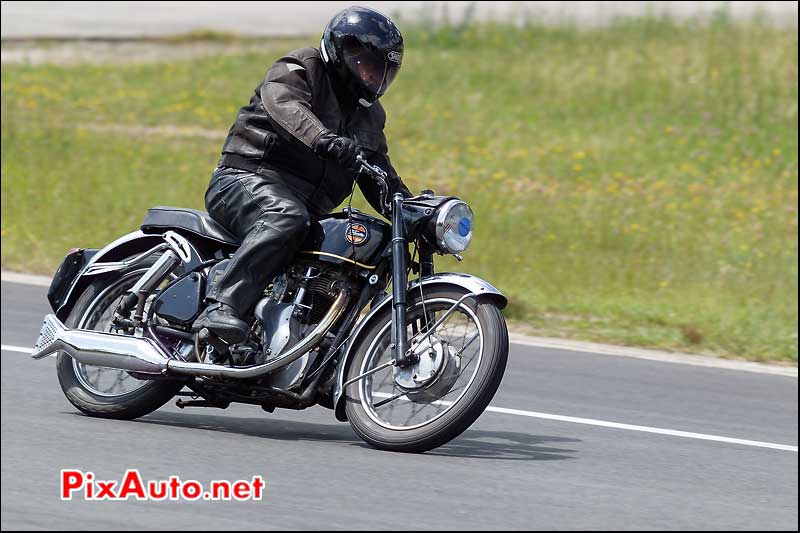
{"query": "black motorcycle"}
(410, 368)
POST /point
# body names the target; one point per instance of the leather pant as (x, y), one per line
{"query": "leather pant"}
(272, 221)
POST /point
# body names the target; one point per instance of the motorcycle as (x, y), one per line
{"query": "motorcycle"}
(410, 368)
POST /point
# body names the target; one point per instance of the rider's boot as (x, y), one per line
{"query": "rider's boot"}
(223, 321)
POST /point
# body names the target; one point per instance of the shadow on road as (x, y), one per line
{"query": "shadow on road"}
(475, 444)
(506, 445)
(265, 428)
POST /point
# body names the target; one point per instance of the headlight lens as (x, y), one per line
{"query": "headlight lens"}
(454, 227)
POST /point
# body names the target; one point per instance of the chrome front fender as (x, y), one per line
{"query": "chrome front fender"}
(481, 289)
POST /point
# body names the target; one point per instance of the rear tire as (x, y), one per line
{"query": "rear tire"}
(98, 297)
(466, 409)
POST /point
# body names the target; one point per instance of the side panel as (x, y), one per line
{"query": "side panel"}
(132, 243)
(180, 302)
(471, 283)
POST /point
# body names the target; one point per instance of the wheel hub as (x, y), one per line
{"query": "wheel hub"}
(434, 374)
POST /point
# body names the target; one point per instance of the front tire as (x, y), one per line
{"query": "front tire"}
(136, 398)
(456, 410)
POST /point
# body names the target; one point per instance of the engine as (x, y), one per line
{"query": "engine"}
(295, 303)
(311, 288)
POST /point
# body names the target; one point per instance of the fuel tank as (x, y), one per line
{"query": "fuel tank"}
(358, 239)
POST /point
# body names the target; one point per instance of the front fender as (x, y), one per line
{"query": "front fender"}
(125, 246)
(481, 288)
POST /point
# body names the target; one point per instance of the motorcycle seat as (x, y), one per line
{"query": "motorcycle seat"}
(162, 218)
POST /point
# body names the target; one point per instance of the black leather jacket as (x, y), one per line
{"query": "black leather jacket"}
(275, 134)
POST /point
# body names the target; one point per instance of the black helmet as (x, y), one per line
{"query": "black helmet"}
(363, 49)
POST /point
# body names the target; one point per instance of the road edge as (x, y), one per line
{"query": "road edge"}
(560, 344)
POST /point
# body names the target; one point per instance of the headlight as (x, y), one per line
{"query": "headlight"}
(454, 227)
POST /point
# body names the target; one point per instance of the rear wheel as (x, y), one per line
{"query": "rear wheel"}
(106, 392)
(461, 364)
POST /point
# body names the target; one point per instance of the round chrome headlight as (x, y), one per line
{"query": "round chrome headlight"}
(454, 227)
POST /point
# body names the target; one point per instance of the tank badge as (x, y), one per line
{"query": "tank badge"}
(356, 234)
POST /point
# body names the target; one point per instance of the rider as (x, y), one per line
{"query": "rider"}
(291, 155)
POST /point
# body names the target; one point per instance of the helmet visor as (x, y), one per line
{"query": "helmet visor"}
(375, 73)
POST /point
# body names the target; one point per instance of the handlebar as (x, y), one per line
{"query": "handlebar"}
(380, 177)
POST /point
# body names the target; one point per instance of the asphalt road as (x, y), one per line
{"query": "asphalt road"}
(507, 471)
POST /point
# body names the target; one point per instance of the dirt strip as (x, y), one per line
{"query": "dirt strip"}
(166, 130)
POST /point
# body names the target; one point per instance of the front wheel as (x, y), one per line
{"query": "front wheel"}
(423, 406)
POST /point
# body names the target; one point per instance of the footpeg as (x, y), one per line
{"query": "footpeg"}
(199, 403)
(217, 350)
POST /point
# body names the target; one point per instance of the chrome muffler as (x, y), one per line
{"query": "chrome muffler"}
(96, 348)
(139, 354)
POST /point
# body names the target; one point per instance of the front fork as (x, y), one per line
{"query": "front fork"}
(400, 284)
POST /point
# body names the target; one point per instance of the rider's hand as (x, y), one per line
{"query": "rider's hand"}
(340, 149)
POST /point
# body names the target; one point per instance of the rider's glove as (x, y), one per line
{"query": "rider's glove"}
(340, 149)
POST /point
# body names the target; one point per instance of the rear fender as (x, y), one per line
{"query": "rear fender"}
(70, 282)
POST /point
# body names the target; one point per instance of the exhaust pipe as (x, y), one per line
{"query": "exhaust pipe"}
(139, 354)
(96, 348)
(308, 343)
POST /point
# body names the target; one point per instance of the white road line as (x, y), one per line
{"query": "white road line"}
(617, 425)
(20, 349)
(645, 429)
(577, 420)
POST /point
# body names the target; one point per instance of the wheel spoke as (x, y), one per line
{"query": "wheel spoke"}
(99, 317)
(464, 347)
(413, 413)
(453, 339)
(388, 400)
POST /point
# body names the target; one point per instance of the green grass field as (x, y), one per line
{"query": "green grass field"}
(635, 184)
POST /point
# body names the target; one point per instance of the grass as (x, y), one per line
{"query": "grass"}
(634, 184)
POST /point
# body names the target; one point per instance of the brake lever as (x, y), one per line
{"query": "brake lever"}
(378, 175)
(373, 170)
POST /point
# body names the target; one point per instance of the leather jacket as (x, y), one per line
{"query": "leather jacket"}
(275, 135)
